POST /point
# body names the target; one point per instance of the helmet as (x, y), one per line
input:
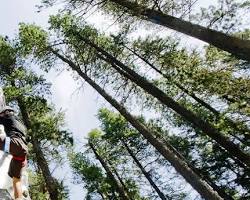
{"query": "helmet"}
(6, 108)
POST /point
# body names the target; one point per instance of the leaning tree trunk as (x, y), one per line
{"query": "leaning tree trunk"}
(237, 47)
(119, 187)
(182, 88)
(166, 150)
(51, 183)
(120, 180)
(243, 130)
(206, 127)
(145, 173)
(101, 194)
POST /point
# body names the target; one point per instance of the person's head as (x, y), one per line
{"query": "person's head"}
(7, 111)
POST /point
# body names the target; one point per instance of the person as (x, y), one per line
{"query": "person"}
(12, 140)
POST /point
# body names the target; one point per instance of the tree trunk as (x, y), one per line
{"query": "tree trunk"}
(243, 130)
(101, 194)
(120, 189)
(51, 183)
(220, 191)
(120, 180)
(206, 127)
(182, 88)
(168, 152)
(237, 47)
(145, 173)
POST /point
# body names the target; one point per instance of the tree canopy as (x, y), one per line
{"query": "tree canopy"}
(182, 128)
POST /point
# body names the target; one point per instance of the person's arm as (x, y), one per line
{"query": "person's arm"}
(2, 132)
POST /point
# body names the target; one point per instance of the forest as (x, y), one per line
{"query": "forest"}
(176, 81)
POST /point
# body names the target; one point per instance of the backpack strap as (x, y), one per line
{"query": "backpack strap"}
(7, 145)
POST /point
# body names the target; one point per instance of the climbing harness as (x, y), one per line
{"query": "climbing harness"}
(7, 145)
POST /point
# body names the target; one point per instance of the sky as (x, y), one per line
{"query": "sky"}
(81, 105)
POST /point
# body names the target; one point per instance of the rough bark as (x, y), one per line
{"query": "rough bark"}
(237, 47)
(50, 182)
(168, 152)
(145, 173)
(119, 187)
(188, 115)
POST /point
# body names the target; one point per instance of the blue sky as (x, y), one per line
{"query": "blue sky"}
(80, 106)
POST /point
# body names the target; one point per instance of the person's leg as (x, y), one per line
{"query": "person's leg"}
(19, 151)
(17, 187)
(15, 172)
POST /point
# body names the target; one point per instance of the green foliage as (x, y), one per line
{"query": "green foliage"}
(92, 176)
(116, 132)
(112, 123)
(37, 188)
(215, 77)
(33, 40)
(32, 36)
(95, 134)
(7, 53)
(21, 84)
(227, 16)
